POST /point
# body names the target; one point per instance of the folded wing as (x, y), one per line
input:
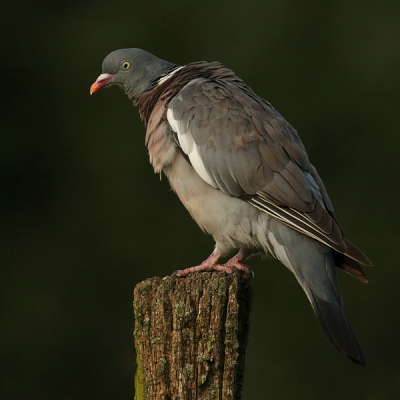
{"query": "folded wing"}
(238, 143)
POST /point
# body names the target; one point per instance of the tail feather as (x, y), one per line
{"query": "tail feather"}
(337, 329)
(313, 265)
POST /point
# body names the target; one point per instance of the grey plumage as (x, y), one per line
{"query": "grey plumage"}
(243, 174)
(318, 279)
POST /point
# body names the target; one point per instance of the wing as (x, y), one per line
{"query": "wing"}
(240, 144)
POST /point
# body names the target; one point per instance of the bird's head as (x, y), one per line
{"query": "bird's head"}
(134, 70)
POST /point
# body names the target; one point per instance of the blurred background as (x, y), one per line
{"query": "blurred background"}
(84, 218)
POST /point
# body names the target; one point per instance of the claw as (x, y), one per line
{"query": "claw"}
(203, 268)
(210, 264)
(235, 262)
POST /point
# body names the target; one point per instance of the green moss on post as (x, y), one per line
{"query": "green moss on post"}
(191, 336)
(139, 383)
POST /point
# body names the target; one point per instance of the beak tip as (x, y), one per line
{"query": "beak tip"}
(94, 88)
(101, 81)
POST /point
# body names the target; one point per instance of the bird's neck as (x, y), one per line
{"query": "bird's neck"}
(168, 85)
(157, 87)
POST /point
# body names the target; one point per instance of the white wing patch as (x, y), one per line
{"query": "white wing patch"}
(166, 77)
(198, 165)
(190, 148)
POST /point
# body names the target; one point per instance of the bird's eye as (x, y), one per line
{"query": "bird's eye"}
(125, 64)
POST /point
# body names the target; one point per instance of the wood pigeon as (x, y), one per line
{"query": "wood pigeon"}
(243, 174)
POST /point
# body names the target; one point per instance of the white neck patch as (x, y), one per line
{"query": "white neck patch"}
(166, 77)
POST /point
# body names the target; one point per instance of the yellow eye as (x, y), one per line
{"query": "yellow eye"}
(125, 64)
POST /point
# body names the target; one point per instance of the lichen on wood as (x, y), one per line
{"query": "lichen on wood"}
(191, 336)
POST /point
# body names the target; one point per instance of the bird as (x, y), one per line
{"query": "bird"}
(243, 173)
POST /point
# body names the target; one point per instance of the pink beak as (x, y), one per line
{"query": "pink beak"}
(101, 81)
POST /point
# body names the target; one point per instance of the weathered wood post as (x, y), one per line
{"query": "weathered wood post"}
(191, 336)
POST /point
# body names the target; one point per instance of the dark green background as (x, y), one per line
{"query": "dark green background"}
(85, 219)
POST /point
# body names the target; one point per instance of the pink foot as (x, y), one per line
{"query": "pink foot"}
(211, 264)
(235, 262)
(208, 265)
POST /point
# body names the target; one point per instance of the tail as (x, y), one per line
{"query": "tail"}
(337, 328)
(313, 265)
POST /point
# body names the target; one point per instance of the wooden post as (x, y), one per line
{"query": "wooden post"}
(191, 336)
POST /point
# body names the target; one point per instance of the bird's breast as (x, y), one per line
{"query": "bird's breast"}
(231, 221)
(159, 140)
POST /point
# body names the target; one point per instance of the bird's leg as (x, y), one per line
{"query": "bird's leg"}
(210, 264)
(236, 262)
